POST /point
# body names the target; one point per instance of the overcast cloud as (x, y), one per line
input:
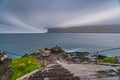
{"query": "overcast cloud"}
(35, 16)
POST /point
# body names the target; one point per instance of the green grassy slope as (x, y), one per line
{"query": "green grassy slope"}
(108, 60)
(23, 66)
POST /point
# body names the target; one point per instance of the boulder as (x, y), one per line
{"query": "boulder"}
(57, 50)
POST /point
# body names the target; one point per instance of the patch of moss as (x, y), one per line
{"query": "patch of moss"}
(23, 66)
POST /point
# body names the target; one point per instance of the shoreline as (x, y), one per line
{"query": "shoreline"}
(81, 64)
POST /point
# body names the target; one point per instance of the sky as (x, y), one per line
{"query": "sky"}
(36, 16)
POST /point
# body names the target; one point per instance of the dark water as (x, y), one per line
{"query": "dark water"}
(26, 43)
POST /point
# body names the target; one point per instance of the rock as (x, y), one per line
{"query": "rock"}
(118, 59)
(47, 55)
(6, 70)
(26, 55)
(57, 50)
(47, 52)
(101, 56)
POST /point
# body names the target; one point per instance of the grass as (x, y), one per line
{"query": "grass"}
(108, 60)
(23, 66)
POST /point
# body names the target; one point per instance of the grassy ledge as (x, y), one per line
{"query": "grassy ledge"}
(23, 66)
(108, 60)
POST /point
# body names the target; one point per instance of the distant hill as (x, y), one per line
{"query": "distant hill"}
(87, 29)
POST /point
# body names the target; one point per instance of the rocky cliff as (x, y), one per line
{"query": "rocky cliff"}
(6, 70)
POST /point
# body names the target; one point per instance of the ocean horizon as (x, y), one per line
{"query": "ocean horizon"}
(27, 43)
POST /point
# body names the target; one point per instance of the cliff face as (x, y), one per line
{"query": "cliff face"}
(87, 29)
(6, 70)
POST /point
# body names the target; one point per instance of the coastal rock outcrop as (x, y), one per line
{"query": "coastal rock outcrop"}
(47, 55)
(46, 51)
(6, 70)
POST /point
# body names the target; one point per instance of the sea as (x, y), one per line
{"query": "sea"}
(16, 45)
